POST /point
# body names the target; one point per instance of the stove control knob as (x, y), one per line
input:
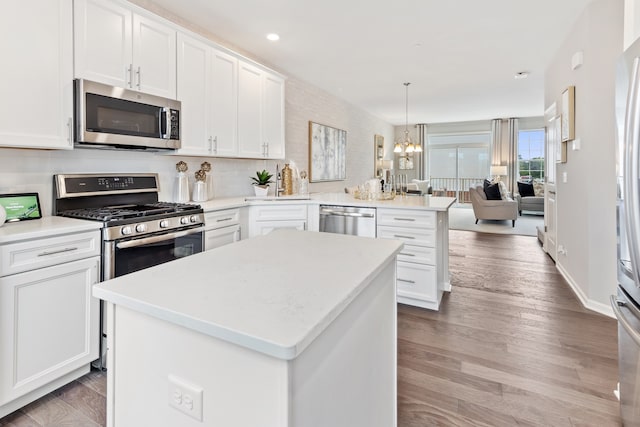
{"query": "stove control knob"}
(193, 218)
(164, 223)
(141, 228)
(126, 230)
(184, 220)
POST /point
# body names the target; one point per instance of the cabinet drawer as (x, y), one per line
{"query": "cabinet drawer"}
(411, 236)
(33, 254)
(418, 254)
(407, 218)
(223, 218)
(221, 236)
(417, 281)
(281, 211)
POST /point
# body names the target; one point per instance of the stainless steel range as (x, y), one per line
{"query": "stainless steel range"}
(138, 230)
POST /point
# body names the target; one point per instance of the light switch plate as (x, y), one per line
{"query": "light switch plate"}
(576, 144)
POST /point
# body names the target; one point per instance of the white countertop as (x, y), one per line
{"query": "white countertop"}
(406, 202)
(273, 294)
(44, 227)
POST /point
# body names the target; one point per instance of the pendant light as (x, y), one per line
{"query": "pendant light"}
(406, 145)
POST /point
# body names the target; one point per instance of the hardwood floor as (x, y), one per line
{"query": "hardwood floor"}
(510, 346)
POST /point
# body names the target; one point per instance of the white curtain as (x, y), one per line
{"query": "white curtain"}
(512, 162)
(496, 142)
(423, 159)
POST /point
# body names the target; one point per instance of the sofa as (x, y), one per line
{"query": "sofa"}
(530, 197)
(485, 209)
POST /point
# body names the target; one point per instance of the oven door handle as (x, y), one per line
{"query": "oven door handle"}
(156, 239)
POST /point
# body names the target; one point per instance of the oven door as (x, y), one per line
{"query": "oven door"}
(126, 256)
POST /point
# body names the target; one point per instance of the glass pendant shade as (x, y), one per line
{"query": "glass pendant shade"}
(397, 148)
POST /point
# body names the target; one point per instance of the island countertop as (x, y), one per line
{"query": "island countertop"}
(273, 294)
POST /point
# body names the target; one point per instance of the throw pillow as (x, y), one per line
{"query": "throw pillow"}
(525, 189)
(491, 190)
(538, 188)
(504, 193)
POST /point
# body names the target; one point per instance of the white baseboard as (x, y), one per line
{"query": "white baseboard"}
(598, 307)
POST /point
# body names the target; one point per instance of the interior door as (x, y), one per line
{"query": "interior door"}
(550, 196)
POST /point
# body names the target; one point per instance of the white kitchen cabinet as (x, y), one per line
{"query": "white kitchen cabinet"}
(260, 113)
(37, 79)
(422, 264)
(116, 46)
(49, 320)
(222, 227)
(263, 219)
(208, 91)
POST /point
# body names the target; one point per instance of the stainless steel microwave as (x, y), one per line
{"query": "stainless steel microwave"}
(108, 116)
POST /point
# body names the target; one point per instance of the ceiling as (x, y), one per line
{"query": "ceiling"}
(460, 56)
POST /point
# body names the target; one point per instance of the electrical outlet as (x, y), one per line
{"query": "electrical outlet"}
(185, 397)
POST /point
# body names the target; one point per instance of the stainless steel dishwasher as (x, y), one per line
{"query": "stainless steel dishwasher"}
(351, 220)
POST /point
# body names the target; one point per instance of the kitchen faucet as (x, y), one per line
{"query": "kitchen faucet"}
(278, 190)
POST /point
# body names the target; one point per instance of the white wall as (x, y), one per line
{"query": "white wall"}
(586, 202)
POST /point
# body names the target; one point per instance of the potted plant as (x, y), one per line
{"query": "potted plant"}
(261, 182)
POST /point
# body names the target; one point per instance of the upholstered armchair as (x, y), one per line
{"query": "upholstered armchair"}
(503, 209)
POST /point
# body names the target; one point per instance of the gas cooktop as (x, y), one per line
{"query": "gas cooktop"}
(144, 211)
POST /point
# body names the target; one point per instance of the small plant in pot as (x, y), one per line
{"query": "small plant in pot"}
(261, 182)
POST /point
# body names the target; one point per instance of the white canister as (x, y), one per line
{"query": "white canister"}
(181, 190)
(199, 192)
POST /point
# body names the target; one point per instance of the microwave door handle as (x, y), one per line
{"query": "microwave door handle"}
(165, 123)
(631, 169)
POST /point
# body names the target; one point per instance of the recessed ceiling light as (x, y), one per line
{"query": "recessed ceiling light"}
(521, 75)
(273, 37)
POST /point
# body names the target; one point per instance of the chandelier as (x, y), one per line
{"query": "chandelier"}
(405, 145)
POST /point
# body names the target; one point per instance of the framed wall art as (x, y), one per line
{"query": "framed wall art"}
(568, 114)
(327, 153)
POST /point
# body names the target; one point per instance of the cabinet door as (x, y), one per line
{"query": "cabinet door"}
(261, 228)
(224, 108)
(103, 43)
(37, 79)
(273, 116)
(221, 236)
(250, 142)
(48, 325)
(154, 57)
(194, 94)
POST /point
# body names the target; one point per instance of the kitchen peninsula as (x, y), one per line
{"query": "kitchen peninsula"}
(288, 329)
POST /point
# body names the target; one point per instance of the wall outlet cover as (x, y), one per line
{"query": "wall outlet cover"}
(185, 397)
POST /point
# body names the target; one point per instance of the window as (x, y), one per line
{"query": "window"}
(531, 154)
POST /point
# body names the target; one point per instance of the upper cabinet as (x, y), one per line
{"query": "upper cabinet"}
(116, 46)
(37, 87)
(230, 107)
(260, 112)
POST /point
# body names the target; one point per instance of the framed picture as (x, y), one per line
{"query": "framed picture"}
(378, 154)
(21, 206)
(327, 153)
(568, 114)
(560, 146)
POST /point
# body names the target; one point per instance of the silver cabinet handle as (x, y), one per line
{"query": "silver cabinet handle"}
(59, 251)
(70, 129)
(399, 236)
(130, 75)
(615, 304)
(139, 78)
(406, 281)
(404, 219)
(215, 144)
(406, 254)
(224, 219)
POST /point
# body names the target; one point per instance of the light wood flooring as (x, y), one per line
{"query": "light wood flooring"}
(511, 346)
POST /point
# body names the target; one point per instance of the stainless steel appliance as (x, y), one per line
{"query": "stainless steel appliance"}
(138, 231)
(626, 304)
(107, 116)
(351, 220)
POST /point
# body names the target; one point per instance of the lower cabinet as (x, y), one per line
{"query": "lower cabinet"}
(48, 326)
(221, 228)
(422, 266)
(263, 219)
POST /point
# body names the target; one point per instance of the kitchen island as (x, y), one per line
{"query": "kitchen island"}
(230, 338)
